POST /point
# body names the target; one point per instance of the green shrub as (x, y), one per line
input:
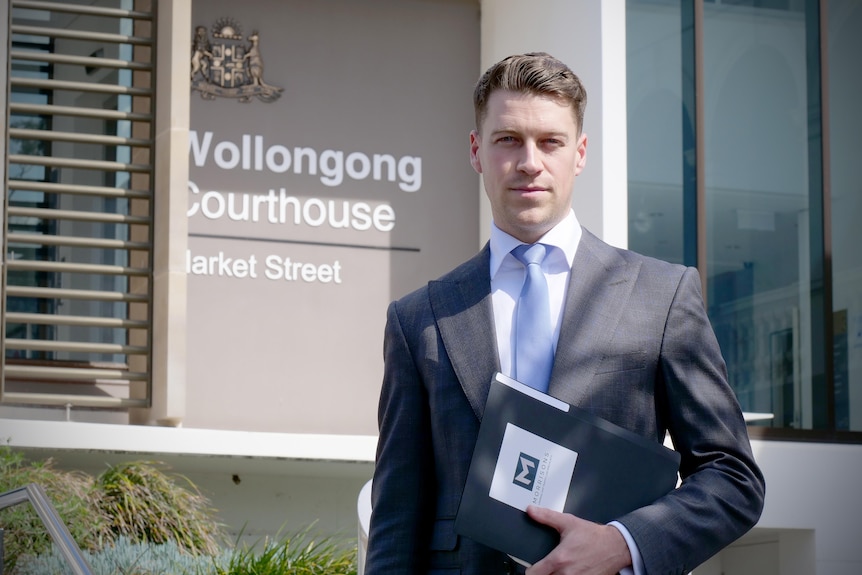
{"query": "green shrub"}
(145, 504)
(138, 500)
(71, 494)
(135, 519)
(125, 557)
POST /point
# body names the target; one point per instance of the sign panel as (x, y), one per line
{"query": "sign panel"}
(329, 175)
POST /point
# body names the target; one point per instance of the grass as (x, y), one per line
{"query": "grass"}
(125, 557)
(297, 554)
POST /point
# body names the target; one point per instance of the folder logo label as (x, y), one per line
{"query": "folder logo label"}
(525, 472)
(542, 480)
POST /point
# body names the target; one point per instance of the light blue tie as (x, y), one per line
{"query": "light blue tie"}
(534, 349)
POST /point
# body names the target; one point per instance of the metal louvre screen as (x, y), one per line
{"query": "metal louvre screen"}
(78, 204)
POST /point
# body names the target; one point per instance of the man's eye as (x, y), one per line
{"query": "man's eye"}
(506, 139)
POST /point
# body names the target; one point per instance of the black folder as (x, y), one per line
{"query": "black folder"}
(535, 449)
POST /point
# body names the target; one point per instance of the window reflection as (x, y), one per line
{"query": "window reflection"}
(768, 291)
(845, 143)
(656, 127)
(757, 198)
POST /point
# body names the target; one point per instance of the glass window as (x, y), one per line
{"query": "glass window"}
(781, 177)
(31, 250)
(658, 128)
(79, 206)
(760, 186)
(845, 142)
(30, 199)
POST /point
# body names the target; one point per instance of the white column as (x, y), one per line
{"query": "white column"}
(171, 204)
(589, 36)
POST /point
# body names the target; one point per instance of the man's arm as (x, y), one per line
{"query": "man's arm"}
(403, 478)
(721, 495)
(722, 490)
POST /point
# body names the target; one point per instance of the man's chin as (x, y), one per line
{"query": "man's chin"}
(530, 229)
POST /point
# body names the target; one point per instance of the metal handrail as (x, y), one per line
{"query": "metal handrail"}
(52, 522)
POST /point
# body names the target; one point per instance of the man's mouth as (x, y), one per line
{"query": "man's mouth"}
(528, 189)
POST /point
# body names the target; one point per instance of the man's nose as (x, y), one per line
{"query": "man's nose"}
(530, 160)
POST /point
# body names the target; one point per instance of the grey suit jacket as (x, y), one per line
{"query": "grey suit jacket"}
(635, 347)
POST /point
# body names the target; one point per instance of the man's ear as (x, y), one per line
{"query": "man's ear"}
(582, 154)
(474, 151)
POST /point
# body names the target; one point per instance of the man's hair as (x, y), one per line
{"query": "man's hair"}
(535, 73)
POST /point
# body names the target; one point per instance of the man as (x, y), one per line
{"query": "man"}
(632, 343)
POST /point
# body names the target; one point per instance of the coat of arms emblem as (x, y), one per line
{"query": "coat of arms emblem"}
(228, 66)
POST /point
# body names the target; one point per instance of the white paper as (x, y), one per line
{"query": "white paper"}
(531, 470)
(532, 392)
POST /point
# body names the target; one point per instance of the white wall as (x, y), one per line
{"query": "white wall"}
(816, 486)
(812, 521)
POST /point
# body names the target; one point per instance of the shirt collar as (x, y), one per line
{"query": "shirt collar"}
(565, 236)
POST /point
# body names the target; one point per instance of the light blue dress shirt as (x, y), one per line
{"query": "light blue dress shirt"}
(507, 277)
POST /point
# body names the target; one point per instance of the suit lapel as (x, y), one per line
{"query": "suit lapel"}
(461, 303)
(600, 284)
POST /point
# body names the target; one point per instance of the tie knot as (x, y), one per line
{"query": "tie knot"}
(530, 253)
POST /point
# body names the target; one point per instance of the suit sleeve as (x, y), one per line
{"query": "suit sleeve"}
(403, 485)
(722, 490)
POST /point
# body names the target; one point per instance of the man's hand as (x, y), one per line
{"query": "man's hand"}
(585, 548)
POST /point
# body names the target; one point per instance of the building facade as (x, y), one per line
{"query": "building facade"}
(208, 206)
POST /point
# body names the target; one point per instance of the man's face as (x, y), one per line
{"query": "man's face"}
(529, 152)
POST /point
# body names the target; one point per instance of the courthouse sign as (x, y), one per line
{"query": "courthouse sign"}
(329, 174)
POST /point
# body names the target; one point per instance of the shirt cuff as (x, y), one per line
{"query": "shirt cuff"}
(637, 567)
